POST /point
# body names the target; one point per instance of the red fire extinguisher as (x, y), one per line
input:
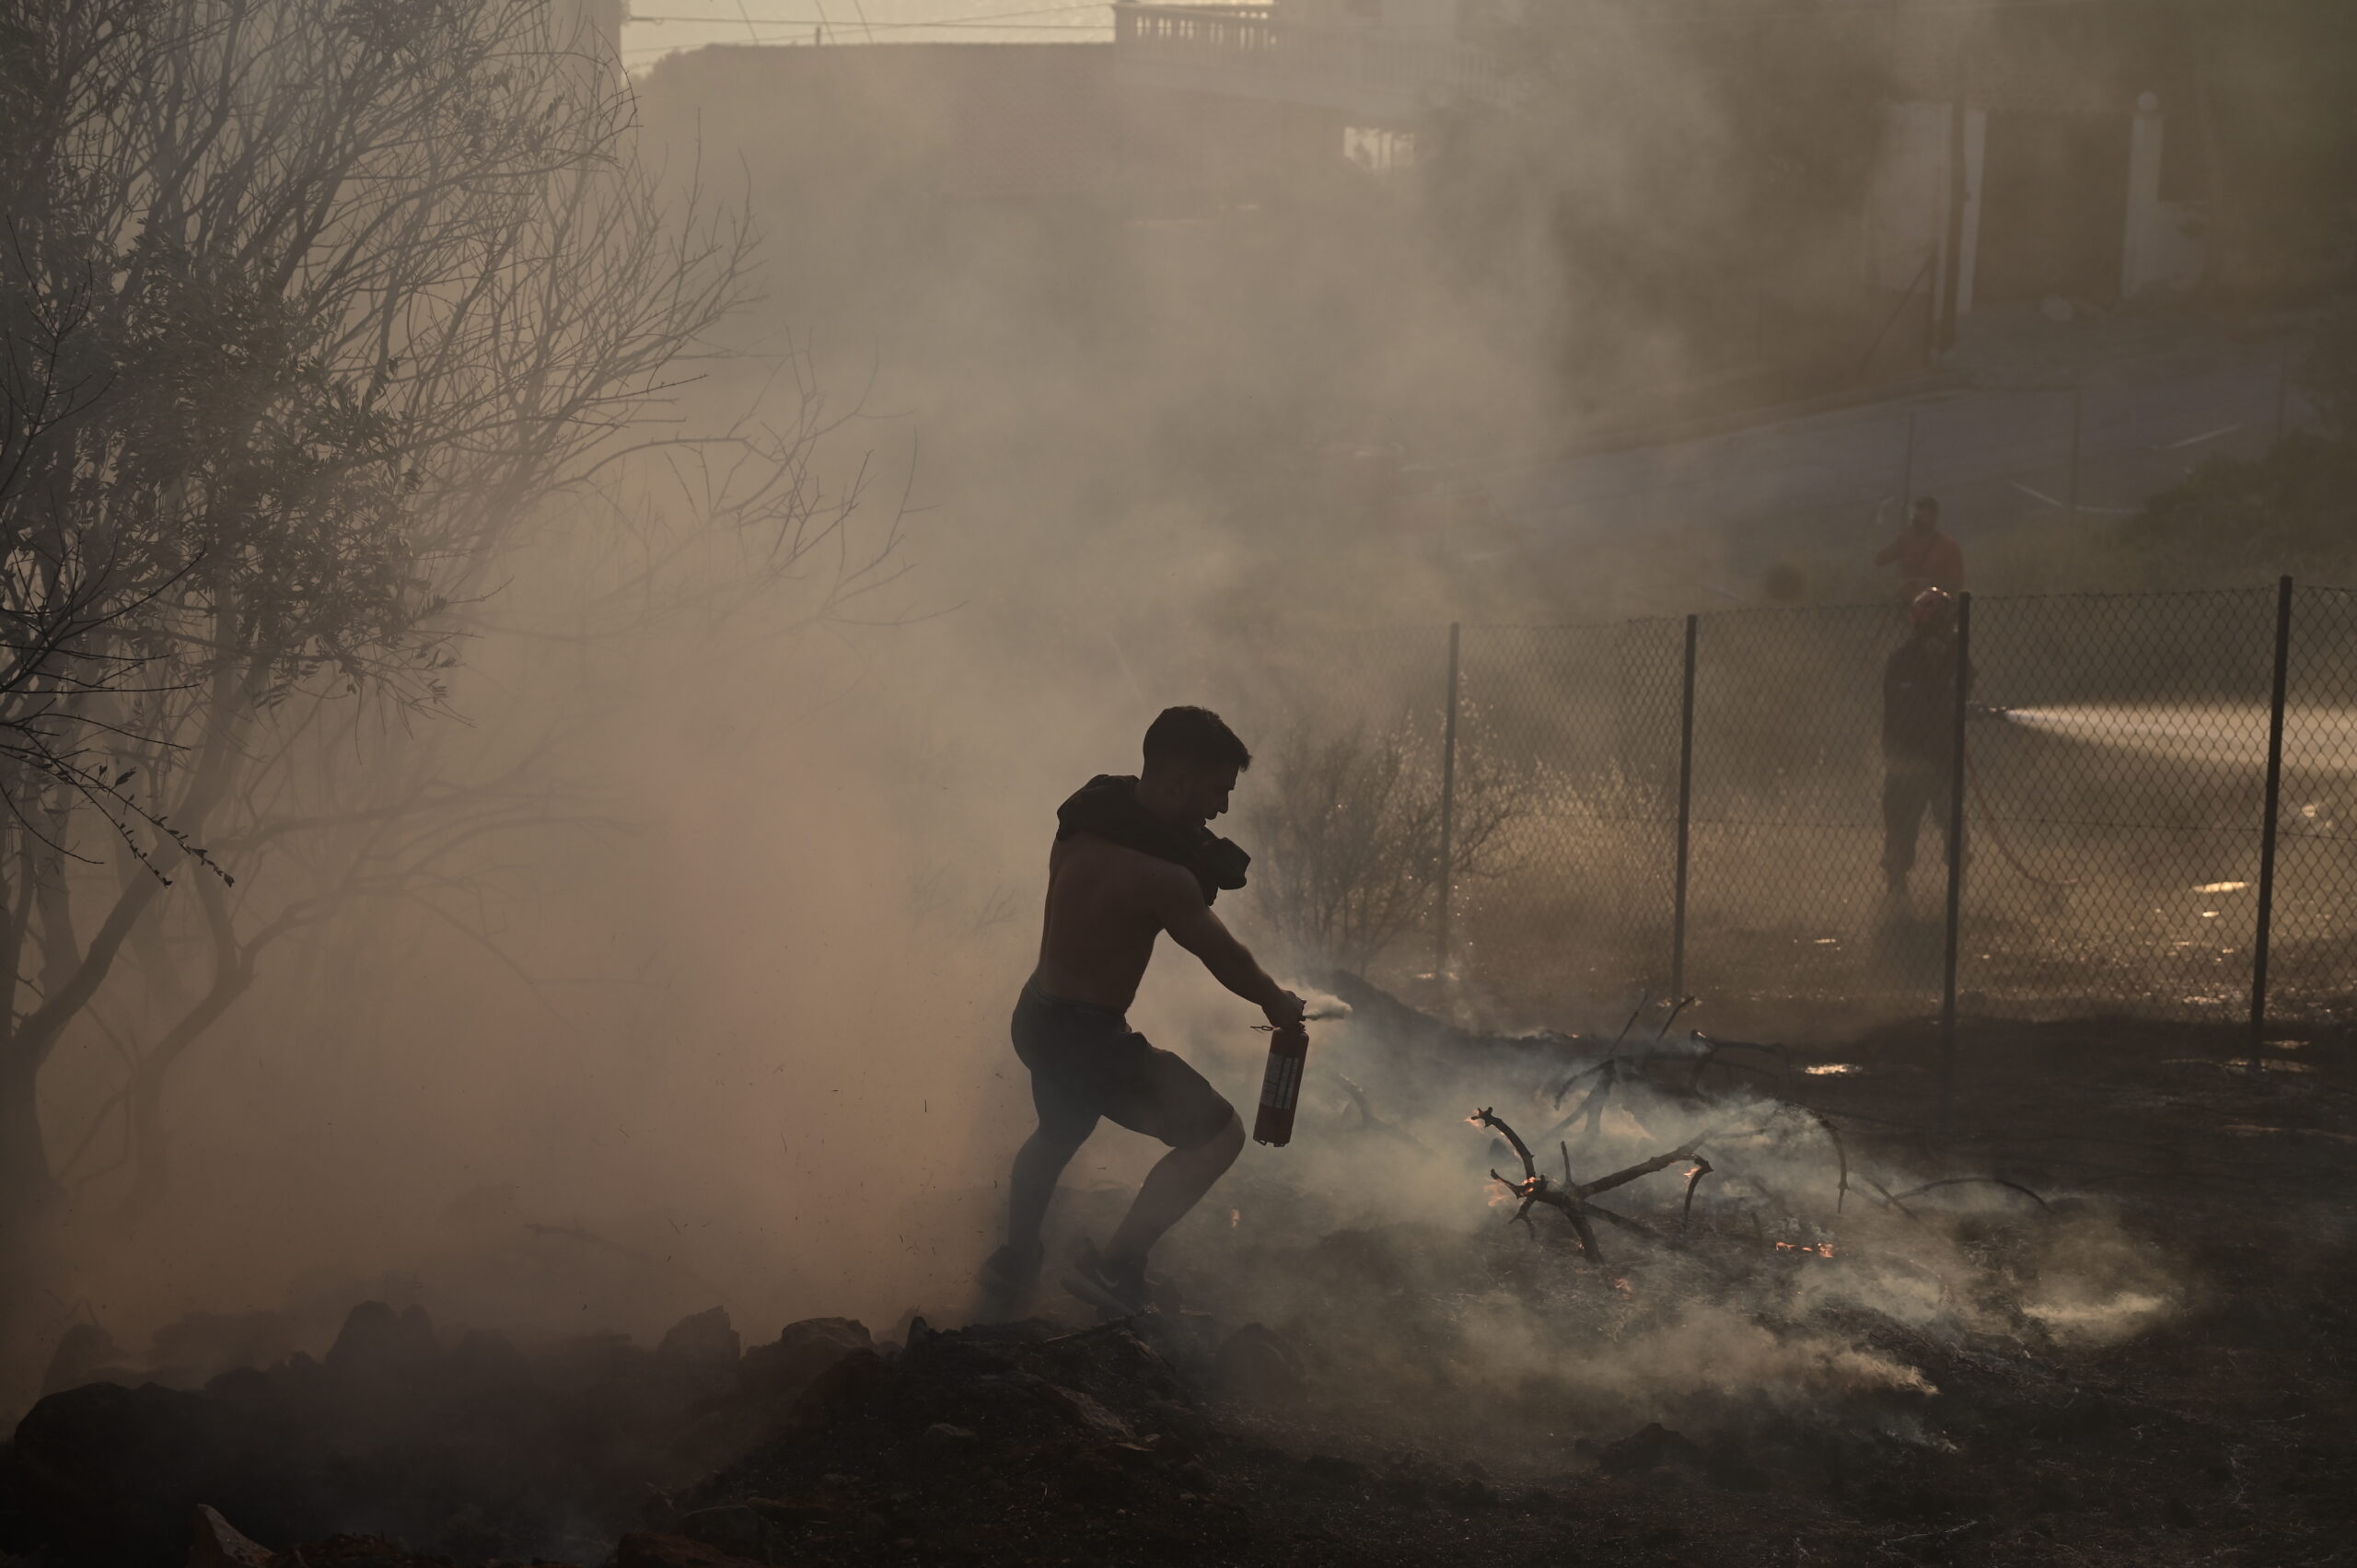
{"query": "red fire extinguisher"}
(1281, 1087)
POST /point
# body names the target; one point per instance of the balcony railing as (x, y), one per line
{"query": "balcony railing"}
(1250, 51)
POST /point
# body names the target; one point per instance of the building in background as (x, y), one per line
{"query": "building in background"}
(2052, 152)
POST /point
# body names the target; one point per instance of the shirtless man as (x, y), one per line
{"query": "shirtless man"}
(1132, 859)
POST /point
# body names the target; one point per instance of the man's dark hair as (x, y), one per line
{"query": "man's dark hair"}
(1927, 506)
(1194, 734)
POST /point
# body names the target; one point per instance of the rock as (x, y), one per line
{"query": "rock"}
(702, 1336)
(129, 1466)
(86, 1353)
(674, 1551)
(204, 1344)
(800, 1353)
(1257, 1365)
(702, 1351)
(215, 1543)
(377, 1342)
(1648, 1448)
(1088, 1415)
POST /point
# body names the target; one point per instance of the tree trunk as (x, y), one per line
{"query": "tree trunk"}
(29, 1211)
(27, 1187)
(151, 1145)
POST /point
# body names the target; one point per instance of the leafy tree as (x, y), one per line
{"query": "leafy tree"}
(323, 320)
(2287, 511)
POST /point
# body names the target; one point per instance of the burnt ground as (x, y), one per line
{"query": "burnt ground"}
(1344, 1429)
(2222, 1432)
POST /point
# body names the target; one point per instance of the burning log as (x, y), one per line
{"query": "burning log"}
(1642, 1168)
(1534, 1187)
(1572, 1198)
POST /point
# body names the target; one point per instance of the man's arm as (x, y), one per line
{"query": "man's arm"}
(1890, 551)
(1193, 926)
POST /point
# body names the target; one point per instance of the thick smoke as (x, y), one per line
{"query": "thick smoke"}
(732, 1030)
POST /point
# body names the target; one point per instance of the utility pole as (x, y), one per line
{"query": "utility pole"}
(1441, 935)
(2078, 409)
(1962, 706)
(2271, 818)
(1685, 819)
(1951, 275)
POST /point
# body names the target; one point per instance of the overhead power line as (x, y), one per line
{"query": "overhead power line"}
(803, 32)
(942, 22)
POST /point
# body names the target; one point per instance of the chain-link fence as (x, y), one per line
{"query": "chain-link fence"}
(1755, 805)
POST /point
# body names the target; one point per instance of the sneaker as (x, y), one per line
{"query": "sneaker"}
(1008, 1281)
(1115, 1287)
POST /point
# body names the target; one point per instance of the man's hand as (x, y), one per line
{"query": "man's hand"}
(1287, 1012)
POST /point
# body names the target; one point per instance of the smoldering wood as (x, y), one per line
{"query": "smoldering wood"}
(1977, 1180)
(1702, 1168)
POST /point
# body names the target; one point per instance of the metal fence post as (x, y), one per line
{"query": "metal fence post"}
(2282, 391)
(1685, 819)
(2078, 409)
(2273, 813)
(1447, 809)
(1907, 473)
(1956, 855)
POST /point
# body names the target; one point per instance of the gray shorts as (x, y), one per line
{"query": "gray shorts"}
(1087, 1062)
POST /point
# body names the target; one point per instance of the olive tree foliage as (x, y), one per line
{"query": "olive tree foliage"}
(1349, 834)
(320, 321)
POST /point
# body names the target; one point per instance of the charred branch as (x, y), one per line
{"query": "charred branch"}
(1977, 1181)
(1701, 1168)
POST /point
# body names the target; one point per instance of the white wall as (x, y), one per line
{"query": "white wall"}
(2161, 250)
(1907, 212)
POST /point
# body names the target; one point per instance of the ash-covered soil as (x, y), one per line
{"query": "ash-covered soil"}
(2152, 1365)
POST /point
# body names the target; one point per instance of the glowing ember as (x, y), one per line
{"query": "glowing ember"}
(1822, 1249)
(1235, 1218)
(1828, 1069)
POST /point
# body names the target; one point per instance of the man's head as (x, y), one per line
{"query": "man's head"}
(1191, 760)
(1926, 516)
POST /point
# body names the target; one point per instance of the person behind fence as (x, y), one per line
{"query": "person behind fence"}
(1918, 733)
(1133, 858)
(1925, 557)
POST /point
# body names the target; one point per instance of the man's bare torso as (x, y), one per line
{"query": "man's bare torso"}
(1105, 909)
